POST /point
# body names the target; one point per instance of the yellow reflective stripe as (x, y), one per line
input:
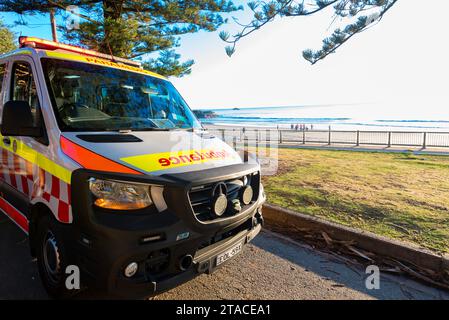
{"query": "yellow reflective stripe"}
(37, 158)
(53, 168)
(102, 62)
(61, 55)
(169, 160)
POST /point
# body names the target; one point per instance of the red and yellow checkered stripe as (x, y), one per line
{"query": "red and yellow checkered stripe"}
(36, 176)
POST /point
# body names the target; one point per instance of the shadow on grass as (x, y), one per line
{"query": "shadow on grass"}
(423, 230)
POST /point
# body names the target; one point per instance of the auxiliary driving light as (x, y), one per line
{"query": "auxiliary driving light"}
(219, 199)
(131, 269)
(220, 205)
(247, 195)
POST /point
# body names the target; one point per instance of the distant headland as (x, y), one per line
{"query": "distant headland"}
(205, 114)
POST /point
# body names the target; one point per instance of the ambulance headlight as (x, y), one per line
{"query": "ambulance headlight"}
(120, 195)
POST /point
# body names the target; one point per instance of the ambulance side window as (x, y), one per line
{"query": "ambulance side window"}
(2, 75)
(3, 87)
(24, 87)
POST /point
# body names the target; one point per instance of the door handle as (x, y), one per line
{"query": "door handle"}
(6, 141)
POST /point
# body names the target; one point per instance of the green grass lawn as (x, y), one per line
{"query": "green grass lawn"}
(400, 196)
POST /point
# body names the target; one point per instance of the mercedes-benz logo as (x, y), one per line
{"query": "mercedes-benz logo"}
(219, 199)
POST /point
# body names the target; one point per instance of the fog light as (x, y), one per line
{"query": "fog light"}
(131, 269)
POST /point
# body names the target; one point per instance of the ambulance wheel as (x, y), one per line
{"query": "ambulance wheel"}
(51, 258)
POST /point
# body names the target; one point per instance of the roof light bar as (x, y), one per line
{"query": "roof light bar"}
(34, 42)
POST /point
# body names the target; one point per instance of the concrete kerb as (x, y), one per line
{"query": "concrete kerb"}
(288, 222)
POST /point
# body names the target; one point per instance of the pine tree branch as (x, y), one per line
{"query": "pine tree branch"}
(357, 31)
(254, 25)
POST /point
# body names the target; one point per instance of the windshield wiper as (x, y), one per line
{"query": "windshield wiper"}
(134, 130)
(153, 129)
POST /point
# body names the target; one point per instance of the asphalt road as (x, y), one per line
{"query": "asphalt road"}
(272, 267)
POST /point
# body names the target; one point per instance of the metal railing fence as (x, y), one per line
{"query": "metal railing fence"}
(357, 138)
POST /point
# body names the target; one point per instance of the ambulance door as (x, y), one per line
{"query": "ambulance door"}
(17, 153)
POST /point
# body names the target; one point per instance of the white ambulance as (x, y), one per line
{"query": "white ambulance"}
(107, 169)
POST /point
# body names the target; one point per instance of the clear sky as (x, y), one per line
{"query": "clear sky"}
(400, 63)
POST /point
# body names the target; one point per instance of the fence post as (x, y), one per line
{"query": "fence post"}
(329, 142)
(304, 137)
(257, 143)
(223, 134)
(358, 138)
(267, 142)
(389, 139)
(245, 149)
(234, 142)
(280, 136)
(424, 143)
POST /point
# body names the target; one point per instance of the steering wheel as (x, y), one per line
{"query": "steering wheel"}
(71, 109)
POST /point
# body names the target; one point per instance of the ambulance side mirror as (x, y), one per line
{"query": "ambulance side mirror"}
(17, 120)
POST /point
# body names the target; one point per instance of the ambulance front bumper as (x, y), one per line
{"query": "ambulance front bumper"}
(169, 247)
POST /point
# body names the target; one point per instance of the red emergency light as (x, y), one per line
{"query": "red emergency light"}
(38, 43)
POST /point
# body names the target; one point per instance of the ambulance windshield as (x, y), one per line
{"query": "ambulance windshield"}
(89, 97)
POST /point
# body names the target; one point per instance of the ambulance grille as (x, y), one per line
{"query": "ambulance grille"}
(201, 196)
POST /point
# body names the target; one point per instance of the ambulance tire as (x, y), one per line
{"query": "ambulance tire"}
(51, 258)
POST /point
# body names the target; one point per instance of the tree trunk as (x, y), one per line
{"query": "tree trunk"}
(53, 25)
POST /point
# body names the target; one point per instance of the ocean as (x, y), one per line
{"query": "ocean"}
(338, 117)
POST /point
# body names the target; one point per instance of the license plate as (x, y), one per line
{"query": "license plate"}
(225, 256)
